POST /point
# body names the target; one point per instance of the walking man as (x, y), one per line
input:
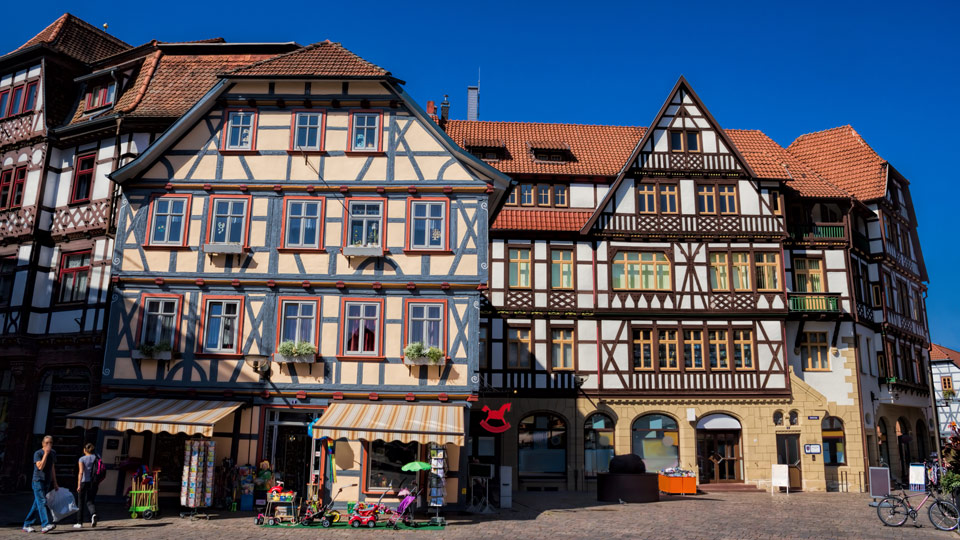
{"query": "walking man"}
(87, 486)
(44, 479)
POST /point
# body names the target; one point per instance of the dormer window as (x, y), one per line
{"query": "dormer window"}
(550, 151)
(486, 149)
(682, 140)
(101, 96)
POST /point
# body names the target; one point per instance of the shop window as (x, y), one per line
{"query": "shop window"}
(519, 268)
(429, 225)
(159, 321)
(518, 348)
(168, 221)
(542, 446)
(598, 447)
(229, 221)
(221, 326)
(240, 130)
(83, 178)
(362, 336)
(778, 418)
(304, 224)
(385, 461)
(366, 223)
(561, 269)
(425, 324)
(308, 131)
(632, 270)
(656, 440)
(8, 267)
(299, 321)
(562, 348)
(74, 276)
(366, 132)
(833, 444)
(794, 418)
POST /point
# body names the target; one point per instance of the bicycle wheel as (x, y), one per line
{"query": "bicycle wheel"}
(892, 511)
(944, 515)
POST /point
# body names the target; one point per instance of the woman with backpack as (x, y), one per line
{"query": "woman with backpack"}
(87, 482)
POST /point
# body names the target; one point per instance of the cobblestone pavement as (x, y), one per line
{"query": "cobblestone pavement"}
(555, 516)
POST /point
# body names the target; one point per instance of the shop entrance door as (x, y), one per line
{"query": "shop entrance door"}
(788, 453)
(290, 448)
(484, 449)
(718, 456)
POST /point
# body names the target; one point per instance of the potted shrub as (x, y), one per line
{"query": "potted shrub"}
(415, 354)
(160, 351)
(299, 352)
(949, 393)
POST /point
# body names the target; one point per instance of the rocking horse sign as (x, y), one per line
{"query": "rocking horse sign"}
(501, 424)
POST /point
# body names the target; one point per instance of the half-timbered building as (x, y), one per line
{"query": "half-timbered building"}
(945, 368)
(281, 251)
(681, 291)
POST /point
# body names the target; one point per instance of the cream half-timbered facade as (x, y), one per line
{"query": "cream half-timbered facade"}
(946, 377)
(318, 208)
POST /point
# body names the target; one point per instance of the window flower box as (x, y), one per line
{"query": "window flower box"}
(415, 354)
(362, 251)
(300, 352)
(153, 352)
(294, 359)
(225, 249)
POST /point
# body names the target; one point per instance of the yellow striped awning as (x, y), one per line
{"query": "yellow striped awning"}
(192, 417)
(422, 423)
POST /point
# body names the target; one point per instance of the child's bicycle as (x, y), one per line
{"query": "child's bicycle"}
(894, 510)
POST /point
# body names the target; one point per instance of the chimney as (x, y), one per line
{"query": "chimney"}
(431, 108)
(473, 103)
(444, 110)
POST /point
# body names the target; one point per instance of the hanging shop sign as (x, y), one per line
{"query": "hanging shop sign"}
(496, 416)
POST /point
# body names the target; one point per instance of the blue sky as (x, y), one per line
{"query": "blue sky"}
(888, 68)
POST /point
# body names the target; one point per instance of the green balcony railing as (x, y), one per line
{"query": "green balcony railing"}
(817, 230)
(814, 303)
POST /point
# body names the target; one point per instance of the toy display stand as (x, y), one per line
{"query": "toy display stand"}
(143, 495)
(437, 488)
(197, 486)
(281, 511)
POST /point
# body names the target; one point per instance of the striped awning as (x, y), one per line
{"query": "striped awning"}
(422, 423)
(193, 417)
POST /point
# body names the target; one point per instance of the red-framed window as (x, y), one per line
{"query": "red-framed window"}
(30, 101)
(361, 329)
(302, 226)
(101, 96)
(425, 322)
(366, 222)
(168, 219)
(74, 276)
(6, 186)
(366, 131)
(83, 176)
(19, 185)
(228, 219)
(221, 324)
(4, 101)
(298, 320)
(307, 130)
(428, 224)
(160, 319)
(381, 468)
(16, 101)
(8, 273)
(239, 130)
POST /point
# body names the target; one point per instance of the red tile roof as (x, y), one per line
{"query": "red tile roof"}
(939, 352)
(78, 39)
(518, 219)
(597, 150)
(842, 156)
(770, 160)
(323, 59)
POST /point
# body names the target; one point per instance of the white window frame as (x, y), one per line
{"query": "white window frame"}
(214, 202)
(239, 121)
(307, 126)
(297, 320)
(167, 216)
(428, 219)
(363, 329)
(439, 319)
(365, 219)
(148, 312)
(223, 316)
(375, 129)
(303, 218)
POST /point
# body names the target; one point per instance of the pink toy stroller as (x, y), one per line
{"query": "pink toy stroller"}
(404, 511)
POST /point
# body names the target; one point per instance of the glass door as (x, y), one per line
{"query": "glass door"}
(718, 456)
(290, 448)
(788, 453)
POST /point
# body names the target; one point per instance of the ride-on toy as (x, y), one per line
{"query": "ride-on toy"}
(365, 515)
(326, 515)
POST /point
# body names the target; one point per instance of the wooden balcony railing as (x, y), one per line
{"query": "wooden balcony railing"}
(815, 302)
(825, 231)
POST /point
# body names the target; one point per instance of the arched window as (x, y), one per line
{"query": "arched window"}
(597, 444)
(834, 451)
(794, 418)
(883, 443)
(542, 445)
(656, 440)
(778, 418)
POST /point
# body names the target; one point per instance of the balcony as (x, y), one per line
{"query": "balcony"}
(906, 324)
(901, 259)
(817, 231)
(815, 303)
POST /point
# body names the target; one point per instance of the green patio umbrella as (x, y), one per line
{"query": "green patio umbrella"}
(416, 466)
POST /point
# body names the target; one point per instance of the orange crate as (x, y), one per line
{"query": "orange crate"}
(678, 485)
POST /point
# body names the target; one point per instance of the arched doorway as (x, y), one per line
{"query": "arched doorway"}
(542, 447)
(656, 440)
(904, 438)
(719, 455)
(882, 442)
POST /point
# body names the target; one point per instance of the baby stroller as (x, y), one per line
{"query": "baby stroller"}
(404, 511)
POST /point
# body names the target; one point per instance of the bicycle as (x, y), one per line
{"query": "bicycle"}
(893, 511)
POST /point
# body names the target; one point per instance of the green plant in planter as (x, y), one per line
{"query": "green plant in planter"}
(413, 350)
(149, 350)
(949, 394)
(300, 348)
(434, 355)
